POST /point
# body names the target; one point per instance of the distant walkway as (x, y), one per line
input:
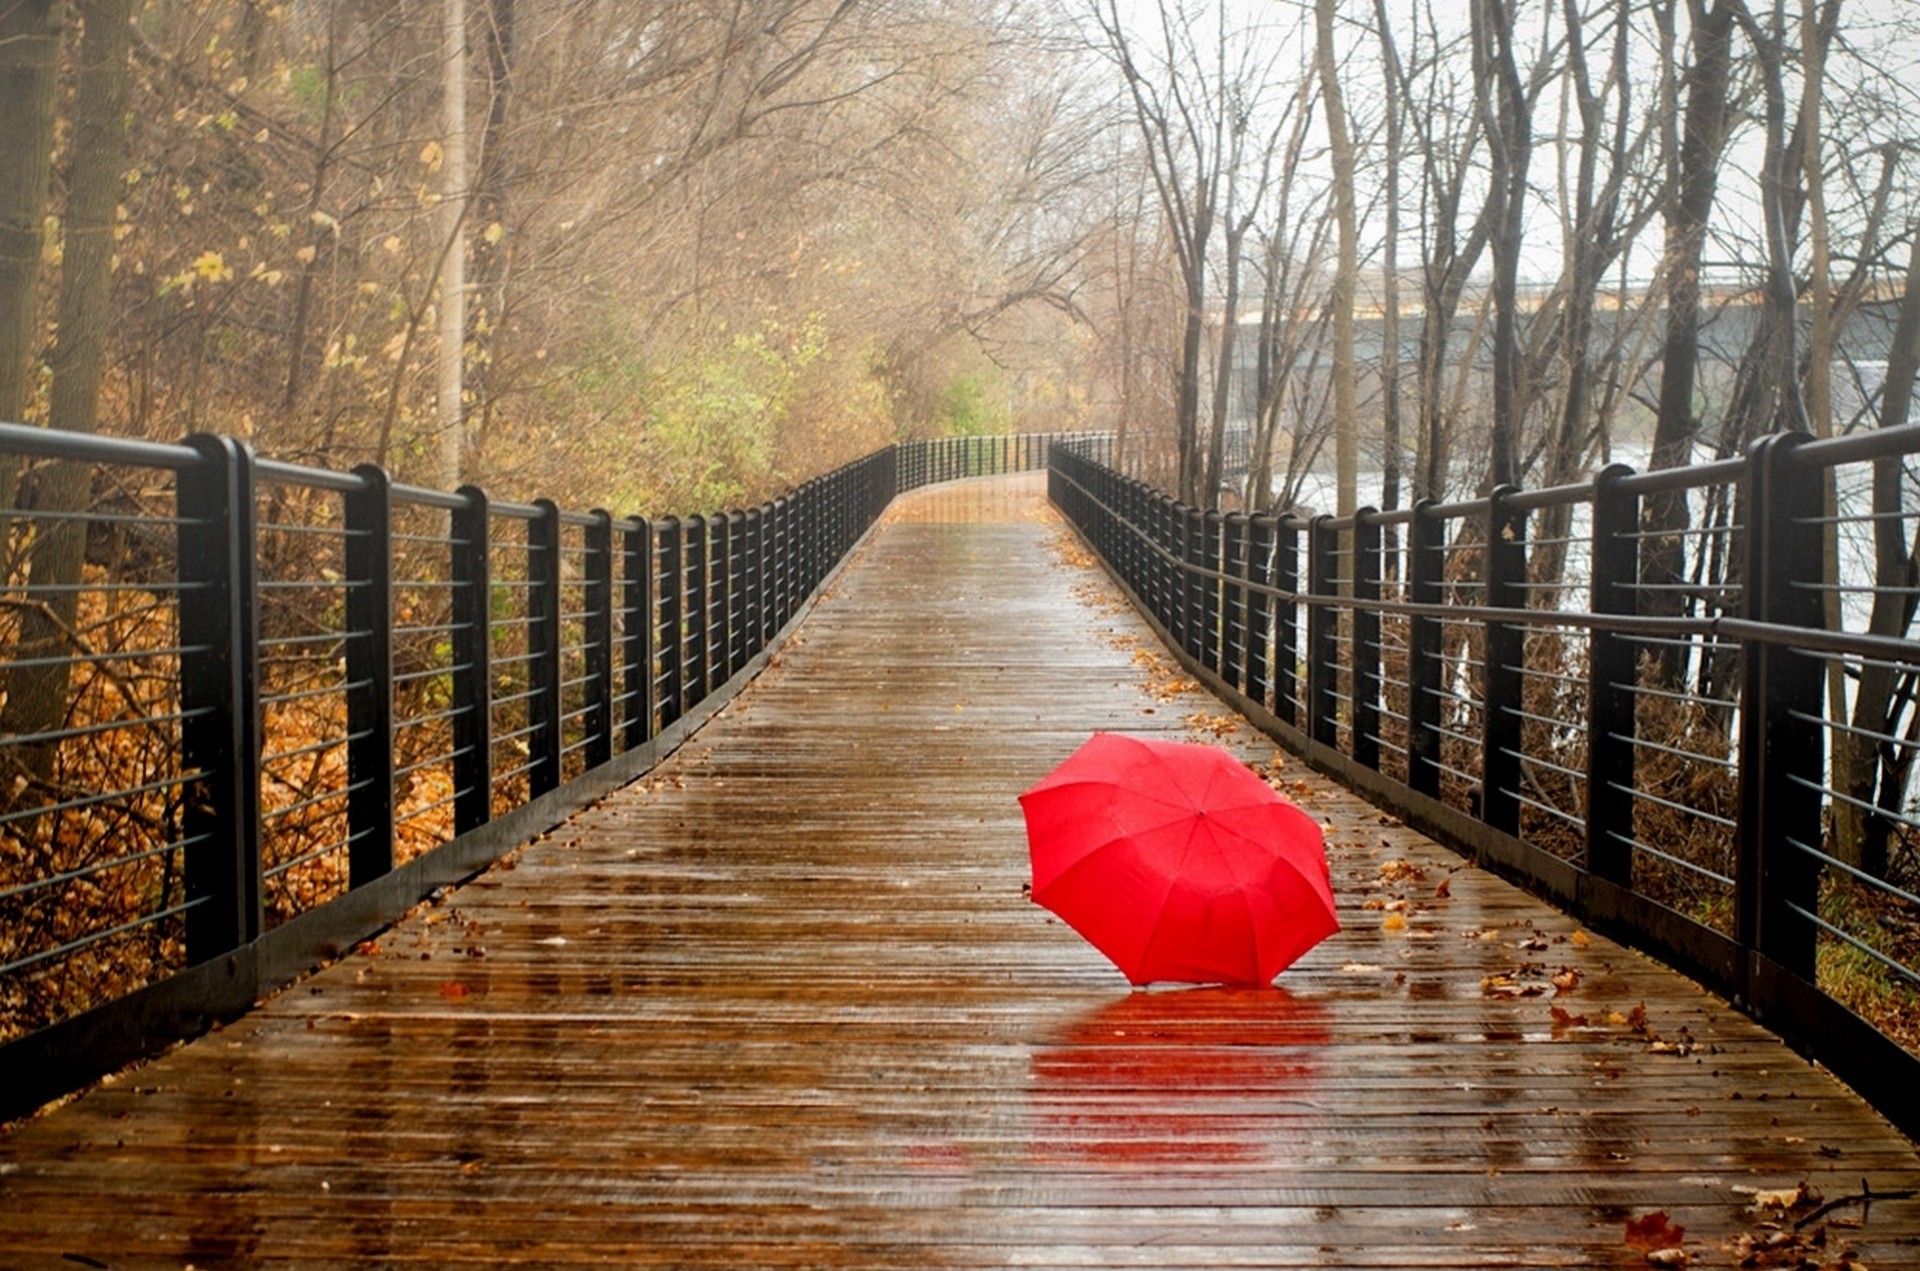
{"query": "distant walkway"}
(784, 1004)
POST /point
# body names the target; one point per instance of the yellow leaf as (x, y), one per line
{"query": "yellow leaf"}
(211, 267)
(492, 233)
(306, 254)
(430, 155)
(391, 243)
(1394, 922)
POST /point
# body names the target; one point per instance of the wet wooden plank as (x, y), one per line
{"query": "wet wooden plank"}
(784, 1004)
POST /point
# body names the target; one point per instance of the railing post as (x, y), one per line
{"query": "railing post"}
(598, 633)
(693, 663)
(1233, 609)
(220, 735)
(1782, 742)
(545, 707)
(1426, 537)
(1180, 534)
(1500, 719)
(670, 583)
(754, 609)
(1256, 679)
(1611, 676)
(472, 645)
(638, 628)
(368, 517)
(1364, 656)
(720, 635)
(1286, 627)
(1323, 630)
(783, 513)
(1212, 635)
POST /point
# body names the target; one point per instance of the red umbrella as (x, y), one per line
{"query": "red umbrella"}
(1177, 862)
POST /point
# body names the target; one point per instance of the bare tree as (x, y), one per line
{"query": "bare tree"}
(37, 691)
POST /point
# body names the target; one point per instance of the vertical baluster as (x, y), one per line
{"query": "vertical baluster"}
(1364, 656)
(1233, 616)
(1286, 627)
(671, 580)
(637, 624)
(1500, 738)
(1323, 631)
(693, 666)
(719, 598)
(219, 697)
(598, 633)
(546, 706)
(753, 584)
(472, 645)
(1782, 743)
(369, 577)
(1257, 678)
(1611, 726)
(1208, 576)
(1426, 561)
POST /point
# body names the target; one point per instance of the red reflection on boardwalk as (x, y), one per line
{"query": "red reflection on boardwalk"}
(1212, 1076)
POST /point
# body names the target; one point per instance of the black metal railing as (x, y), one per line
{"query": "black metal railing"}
(1685, 708)
(269, 707)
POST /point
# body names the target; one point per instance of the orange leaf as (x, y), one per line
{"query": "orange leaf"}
(453, 989)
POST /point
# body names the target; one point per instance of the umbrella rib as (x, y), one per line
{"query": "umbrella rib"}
(1173, 880)
(1108, 783)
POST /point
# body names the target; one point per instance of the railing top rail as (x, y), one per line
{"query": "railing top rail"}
(316, 478)
(24, 439)
(1873, 443)
(1666, 480)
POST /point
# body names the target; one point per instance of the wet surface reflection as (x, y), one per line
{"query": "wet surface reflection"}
(1202, 1076)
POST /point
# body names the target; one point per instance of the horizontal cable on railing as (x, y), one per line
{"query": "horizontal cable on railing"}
(95, 867)
(1847, 937)
(95, 800)
(305, 858)
(97, 937)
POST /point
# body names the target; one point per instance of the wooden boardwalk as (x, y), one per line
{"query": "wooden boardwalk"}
(784, 1004)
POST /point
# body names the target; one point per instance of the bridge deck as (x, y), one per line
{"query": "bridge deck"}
(784, 1004)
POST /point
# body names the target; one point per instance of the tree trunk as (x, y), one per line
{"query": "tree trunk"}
(1223, 364)
(1390, 426)
(1695, 173)
(451, 410)
(1509, 133)
(492, 248)
(29, 59)
(1346, 427)
(37, 695)
(1871, 771)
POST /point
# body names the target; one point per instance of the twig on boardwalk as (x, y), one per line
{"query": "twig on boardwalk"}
(1864, 1198)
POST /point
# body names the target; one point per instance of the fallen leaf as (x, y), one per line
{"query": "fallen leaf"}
(453, 989)
(1394, 922)
(1653, 1232)
(1444, 890)
(1566, 979)
(1785, 1199)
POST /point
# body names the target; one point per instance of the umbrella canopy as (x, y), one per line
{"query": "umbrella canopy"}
(1177, 862)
